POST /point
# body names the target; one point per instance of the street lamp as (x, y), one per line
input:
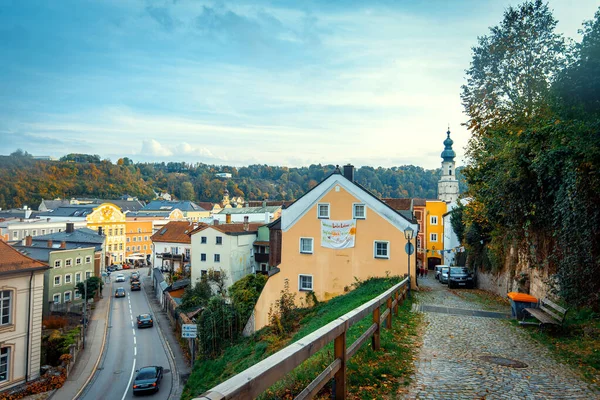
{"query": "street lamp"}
(408, 234)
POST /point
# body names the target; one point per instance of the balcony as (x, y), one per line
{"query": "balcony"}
(261, 257)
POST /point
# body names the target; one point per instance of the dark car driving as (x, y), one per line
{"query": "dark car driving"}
(135, 286)
(459, 277)
(147, 379)
(144, 320)
(120, 292)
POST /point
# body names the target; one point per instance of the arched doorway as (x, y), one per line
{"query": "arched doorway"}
(432, 262)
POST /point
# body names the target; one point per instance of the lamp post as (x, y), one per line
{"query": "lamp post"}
(408, 234)
(84, 310)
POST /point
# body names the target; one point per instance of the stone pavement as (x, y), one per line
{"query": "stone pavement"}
(88, 359)
(450, 364)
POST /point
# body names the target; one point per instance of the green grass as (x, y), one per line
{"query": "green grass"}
(370, 374)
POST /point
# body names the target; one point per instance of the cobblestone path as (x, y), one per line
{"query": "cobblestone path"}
(450, 364)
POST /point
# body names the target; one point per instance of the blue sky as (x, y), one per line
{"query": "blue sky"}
(237, 83)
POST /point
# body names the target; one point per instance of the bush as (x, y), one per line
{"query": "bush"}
(55, 322)
(245, 293)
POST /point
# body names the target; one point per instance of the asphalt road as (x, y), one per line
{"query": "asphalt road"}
(128, 348)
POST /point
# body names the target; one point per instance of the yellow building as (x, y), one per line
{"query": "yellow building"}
(138, 243)
(111, 220)
(434, 229)
(336, 233)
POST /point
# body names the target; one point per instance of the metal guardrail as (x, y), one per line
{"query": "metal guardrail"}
(252, 382)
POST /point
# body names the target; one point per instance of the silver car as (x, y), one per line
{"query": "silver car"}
(120, 278)
(438, 270)
(444, 274)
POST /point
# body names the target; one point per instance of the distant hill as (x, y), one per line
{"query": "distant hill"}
(25, 181)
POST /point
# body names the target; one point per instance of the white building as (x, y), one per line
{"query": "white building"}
(448, 184)
(171, 246)
(263, 214)
(451, 242)
(17, 229)
(226, 247)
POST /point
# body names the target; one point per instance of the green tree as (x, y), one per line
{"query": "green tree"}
(186, 191)
(245, 293)
(94, 285)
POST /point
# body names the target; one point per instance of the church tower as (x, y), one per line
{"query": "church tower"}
(448, 184)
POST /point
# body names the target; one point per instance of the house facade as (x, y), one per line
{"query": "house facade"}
(137, 238)
(108, 219)
(227, 248)
(190, 210)
(262, 249)
(21, 301)
(264, 214)
(336, 233)
(171, 245)
(434, 228)
(14, 230)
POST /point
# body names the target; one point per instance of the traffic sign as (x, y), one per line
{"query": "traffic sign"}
(189, 335)
(409, 248)
(189, 328)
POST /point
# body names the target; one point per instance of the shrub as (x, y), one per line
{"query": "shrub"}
(55, 322)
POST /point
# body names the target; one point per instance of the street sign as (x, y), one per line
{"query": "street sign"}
(189, 335)
(409, 248)
(189, 328)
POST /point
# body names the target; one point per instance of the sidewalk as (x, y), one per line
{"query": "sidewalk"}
(181, 370)
(88, 359)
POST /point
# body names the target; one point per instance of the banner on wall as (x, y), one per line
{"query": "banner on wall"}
(338, 234)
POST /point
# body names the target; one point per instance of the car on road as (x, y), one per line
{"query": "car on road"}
(444, 274)
(438, 270)
(460, 277)
(135, 286)
(120, 278)
(145, 321)
(120, 292)
(147, 379)
(135, 276)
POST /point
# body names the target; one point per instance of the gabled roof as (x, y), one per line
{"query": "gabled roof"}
(398, 204)
(76, 210)
(11, 261)
(43, 253)
(280, 203)
(175, 232)
(206, 205)
(164, 205)
(275, 224)
(250, 210)
(419, 202)
(53, 204)
(301, 206)
(231, 229)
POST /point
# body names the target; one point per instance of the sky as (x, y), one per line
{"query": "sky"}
(288, 83)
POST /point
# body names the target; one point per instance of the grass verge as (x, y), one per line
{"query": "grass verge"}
(371, 374)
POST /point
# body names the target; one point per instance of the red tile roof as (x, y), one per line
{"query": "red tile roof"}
(175, 232)
(11, 261)
(398, 204)
(206, 205)
(419, 202)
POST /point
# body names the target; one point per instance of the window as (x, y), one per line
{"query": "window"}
(56, 298)
(203, 240)
(5, 307)
(433, 237)
(4, 364)
(146, 238)
(88, 274)
(110, 247)
(128, 240)
(323, 210)
(433, 220)
(382, 249)
(219, 240)
(217, 258)
(128, 248)
(135, 239)
(77, 294)
(57, 263)
(78, 261)
(359, 211)
(110, 232)
(306, 245)
(139, 230)
(67, 297)
(121, 231)
(120, 246)
(67, 279)
(68, 262)
(57, 280)
(202, 257)
(51, 230)
(88, 259)
(145, 247)
(203, 273)
(78, 277)
(187, 253)
(139, 248)
(15, 235)
(305, 282)
(34, 232)
(418, 242)
(43, 231)
(26, 233)
(139, 238)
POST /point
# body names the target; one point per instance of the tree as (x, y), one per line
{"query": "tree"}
(186, 191)
(245, 293)
(94, 284)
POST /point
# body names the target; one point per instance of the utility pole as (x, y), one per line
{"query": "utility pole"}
(84, 310)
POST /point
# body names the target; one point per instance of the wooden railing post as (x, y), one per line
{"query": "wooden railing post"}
(397, 303)
(376, 319)
(388, 321)
(340, 376)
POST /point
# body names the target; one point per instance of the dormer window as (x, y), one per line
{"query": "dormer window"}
(323, 210)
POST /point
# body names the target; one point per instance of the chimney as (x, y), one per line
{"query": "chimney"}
(215, 222)
(49, 244)
(349, 172)
(70, 227)
(227, 218)
(100, 230)
(28, 240)
(246, 224)
(63, 245)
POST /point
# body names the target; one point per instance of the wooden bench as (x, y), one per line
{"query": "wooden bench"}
(548, 313)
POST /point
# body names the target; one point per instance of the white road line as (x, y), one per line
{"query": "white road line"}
(130, 379)
(132, 324)
(135, 351)
(134, 340)
(133, 331)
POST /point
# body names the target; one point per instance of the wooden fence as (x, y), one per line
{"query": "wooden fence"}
(252, 382)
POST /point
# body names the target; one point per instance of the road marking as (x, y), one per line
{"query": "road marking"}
(134, 340)
(130, 379)
(133, 331)
(132, 324)
(134, 350)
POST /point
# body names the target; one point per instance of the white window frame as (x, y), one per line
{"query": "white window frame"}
(203, 239)
(88, 259)
(312, 245)
(70, 276)
(217, 258)
(57, 263)
(88, 275)
(219, 240)
(43, 231)
(59, 280)
(433, 237)
(5, 362)
(54, 298)
(68, 262)
(383, 257)
(78, 261)
(70, 293)
(76, 295)
(364, 206)
(433, 220)
(34, 232)
(77, 277)
(319, 205)
(15, 235)
(6, 302)
(202, 257)
(135, 239)
(305, 289)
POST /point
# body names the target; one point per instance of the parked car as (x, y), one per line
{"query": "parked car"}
(147, 379)
(438, 270)
(460, 276)
(111, 268)
(126, 266)
(444, 274)
(135, 286)
(120, 292)
(135, 276)
(145, 321)
(120, 278)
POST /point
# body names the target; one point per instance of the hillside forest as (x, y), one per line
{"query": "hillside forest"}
(26, 181)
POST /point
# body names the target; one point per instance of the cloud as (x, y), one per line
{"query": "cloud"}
(163, 17)
(187, 149)
(154, 148)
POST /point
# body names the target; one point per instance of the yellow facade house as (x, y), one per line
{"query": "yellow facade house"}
(434, 239)
(336, 233)
(111, 221)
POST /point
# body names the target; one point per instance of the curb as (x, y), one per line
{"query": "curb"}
(101, 348)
